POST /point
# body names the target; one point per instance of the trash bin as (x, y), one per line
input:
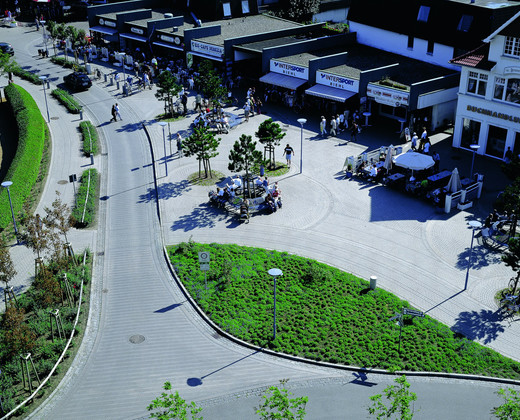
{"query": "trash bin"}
(125, 90)
(89, 68)
(373, 282)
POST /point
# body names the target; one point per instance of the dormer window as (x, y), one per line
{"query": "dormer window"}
(512, 46)
(465, 23)
(424, 12)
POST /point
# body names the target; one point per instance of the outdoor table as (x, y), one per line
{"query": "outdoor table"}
(366, 114)
(394, 177)
(402, 121)
(440, 176)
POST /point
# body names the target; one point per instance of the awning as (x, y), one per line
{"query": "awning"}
(329, 92)
(209, 57)
(282, 80)
(104, 30)
(164, 44)
(135, 37)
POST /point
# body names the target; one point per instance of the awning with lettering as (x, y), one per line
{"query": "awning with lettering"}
(104, 30)
(329, 92)
(135, 37)
(209, 57)
(282, 80)
(164, 44)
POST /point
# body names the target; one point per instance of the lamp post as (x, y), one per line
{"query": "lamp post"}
(301, 121)
(474, 224)
(473, 147)
(6, 185)
(274, 272)
(44, 79)
(163, 125)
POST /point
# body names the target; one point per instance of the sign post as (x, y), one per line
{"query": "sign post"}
(399, 317)
(204, 259)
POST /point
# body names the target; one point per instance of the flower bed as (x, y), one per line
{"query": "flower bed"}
(90, 138)
(84, 212)
(68, 100)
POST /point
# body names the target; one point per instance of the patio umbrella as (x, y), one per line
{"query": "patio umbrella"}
(388, 159)
(454, 184)
(414, 161)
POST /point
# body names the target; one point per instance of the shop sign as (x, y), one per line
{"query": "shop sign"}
(208, 49)
(136, 30)
(166, 38)
(339, 82)
(388, 96)
(289, 69)
(494, 114)
(104, 22)
(511, 70)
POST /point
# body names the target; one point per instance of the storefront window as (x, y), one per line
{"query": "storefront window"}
(516, 147)
(470, 132)
(496, 141)
(513, 90)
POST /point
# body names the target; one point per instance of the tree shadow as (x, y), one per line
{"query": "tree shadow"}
(484, 325)
(165, 191)
(480, 257)
(203, 216)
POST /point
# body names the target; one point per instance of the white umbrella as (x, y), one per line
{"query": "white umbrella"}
(414, 161)
(388, 159)
(454, 184)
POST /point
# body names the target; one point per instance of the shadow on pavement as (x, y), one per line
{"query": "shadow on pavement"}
(165, 191)
(388, 204)
(168, 308)
(203, 216)
(484, 325)
(480, 258)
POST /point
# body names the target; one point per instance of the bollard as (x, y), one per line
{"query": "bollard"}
(48, 83)
(92, 159)
(80, 114)
(373, 282)
(117, 83)
(125, 90)
(106, 77)
(111, 81)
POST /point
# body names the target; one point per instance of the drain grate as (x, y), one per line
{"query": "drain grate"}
(63, 182)
(136, 339)
(105, 290)
(55, 118)
(100, 253)
(216, 335)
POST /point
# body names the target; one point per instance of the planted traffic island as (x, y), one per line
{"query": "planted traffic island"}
(324, 314)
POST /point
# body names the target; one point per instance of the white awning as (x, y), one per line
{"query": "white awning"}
(104, 30)
(329, 92)
(166, 45)
(135, 37)
(282, 80)
(209, 57)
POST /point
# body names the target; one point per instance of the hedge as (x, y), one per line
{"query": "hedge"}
(86, 198)
(27, 75)
(25, 166)
(68, 64)
(90, 138)
(68, 100)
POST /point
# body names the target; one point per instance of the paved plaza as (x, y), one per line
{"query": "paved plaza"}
(364, 228)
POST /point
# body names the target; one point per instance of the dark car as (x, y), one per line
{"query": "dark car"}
(6, 48)
(77, 81)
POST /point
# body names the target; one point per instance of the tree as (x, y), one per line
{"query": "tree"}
(510, 409)
(203, 144)
(36, 237)
(511, 258)
(298, 10)
(52, 31)
(270, 133)
(18, 337)
(399, 397)
(172, 406)
(58, 216)
(7, 271)
(167, 89)
(71, 33)
(244, 156)
(210, 82)
(277, 404)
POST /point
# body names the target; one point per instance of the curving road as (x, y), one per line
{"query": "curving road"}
(142, 331)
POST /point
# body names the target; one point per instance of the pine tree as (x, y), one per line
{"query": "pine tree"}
(203, 144)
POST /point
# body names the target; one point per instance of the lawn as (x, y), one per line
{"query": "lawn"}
(323, 313)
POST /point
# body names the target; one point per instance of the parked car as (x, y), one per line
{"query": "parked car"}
(77, 81)
(6, 48)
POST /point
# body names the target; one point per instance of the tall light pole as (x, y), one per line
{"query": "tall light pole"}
(473, 147)
(474, 224)
(301, 121)
(6, 185)
(44, 79)
(163, 125)
(274, 272)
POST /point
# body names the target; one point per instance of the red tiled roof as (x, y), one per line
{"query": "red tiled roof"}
(478, 58)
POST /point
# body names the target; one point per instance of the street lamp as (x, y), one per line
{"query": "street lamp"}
(474, 224)
(473, 147)
(163, 125)
(44, 79)
(301, 121)
(7, 184)
(274, 272)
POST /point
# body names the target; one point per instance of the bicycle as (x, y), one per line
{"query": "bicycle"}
(511, 304)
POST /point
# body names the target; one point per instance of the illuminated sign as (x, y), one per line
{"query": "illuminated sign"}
(166, 38)
(289, 69)
(339, 82)
(493, 114)
(137, 31)
(104, 22)
(387, 96)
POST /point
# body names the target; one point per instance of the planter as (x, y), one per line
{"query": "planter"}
(464, 206)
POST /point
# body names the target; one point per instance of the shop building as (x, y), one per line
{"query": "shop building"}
(488, 108)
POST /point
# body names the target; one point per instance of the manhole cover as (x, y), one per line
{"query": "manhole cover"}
(101, 253)
(105, 290)
(63, 182)
(217, 336)
(137, 339)
(55, 118)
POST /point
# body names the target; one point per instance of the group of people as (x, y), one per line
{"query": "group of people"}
(252, 104)
(115, 113)
(339, 123)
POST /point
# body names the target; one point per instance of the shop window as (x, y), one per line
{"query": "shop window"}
(424, 12)
(513, 91)
(470, 132)
(429, 49)
(477, 83)
(465, 23)
(512, 46)
(516, 147)
(410, 42)
(500, 85)
(496, 141)
(245, 7)
(226, 9)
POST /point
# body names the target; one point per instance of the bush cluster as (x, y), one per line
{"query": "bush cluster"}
(68, 64)
(27, 75)
(25, 167)
(90, 138)
(68, 100)
(324, 314)
(84, 212)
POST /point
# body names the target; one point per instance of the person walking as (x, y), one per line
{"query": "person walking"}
(288, 152)
(184, 101)
(179, 144)
(415, 138)
(246, 111)
(437, 160)
(354, 130)
(118, 114)
(333, 126)
(323, 126)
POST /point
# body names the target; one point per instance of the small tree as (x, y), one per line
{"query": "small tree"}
(18, 337)
(277, 404)
(211, 83)
(203, 144)
(172, 406)
(167, 88)
(510, 409)
(36, 236)
(244, 156)
(512, 259)
(399, 397)
(7, 271)
(270, 133)
(299, 10)
(52, 31)
(58, 216)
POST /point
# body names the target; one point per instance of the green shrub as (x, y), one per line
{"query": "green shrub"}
(84, 212)
(25, 166)
(68, 100)
(68, 64)
(27, 75)
(90, 138)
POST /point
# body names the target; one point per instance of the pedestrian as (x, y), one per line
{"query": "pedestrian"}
(191, 83)
(116, 107)
(146, 81)
(179, 144)
(323, 126)
(246, 110)
(258, 103)
(114, 115)
(288, 152)
(37, 23)
(184, 100)
(333, 126)
(414, 141)
(437, 160)
(424, 137)
(354, 130)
